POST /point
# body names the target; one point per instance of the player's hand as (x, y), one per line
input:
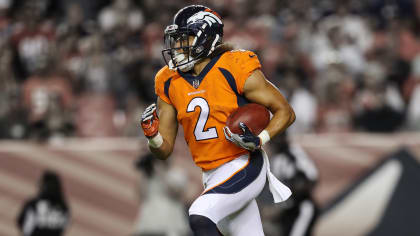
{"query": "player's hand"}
(247, 140)
(150, 121)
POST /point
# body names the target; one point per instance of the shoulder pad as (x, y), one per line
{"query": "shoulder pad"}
(164, 73)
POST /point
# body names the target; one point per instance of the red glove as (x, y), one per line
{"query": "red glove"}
(150, 121)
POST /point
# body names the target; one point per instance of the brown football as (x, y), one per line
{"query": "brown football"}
(253, 115)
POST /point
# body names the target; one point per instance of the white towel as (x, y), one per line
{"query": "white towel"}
(279, 191)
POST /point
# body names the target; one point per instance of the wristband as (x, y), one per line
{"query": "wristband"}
(264, 136)
(156, 141)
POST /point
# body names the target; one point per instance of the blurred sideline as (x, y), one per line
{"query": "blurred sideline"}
(99, 178)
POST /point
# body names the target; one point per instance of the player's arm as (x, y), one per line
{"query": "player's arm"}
(161, 130)
(259, 90)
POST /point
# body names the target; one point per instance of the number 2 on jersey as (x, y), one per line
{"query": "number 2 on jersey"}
(199, 132)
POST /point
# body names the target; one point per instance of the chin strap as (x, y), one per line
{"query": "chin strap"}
(180, 58)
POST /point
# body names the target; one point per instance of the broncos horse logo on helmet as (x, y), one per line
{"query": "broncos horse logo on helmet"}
(206, 28)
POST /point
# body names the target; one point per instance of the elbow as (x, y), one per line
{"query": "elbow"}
(162, 155)
(292, 115)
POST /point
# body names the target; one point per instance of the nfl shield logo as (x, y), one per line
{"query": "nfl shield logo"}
(196, 83)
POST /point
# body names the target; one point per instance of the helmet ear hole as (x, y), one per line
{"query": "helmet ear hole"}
(199, 49)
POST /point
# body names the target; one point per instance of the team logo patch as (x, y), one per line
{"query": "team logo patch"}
(206, 16)
(196, 83)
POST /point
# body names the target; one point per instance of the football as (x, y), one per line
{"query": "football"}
(253, 115)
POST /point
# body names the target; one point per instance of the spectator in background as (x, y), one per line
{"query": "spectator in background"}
(120, 14)
(121, 25)
(71, 37)
(73, 24)
(300, 98)
(378, 105)
(162, 211)
(110, 50)
(334, 91)
(47, 214)
(5, 20)
(413, 112)
(96, 91)
(341, 38)
(12, 115)
(32, 39)
(48, 99)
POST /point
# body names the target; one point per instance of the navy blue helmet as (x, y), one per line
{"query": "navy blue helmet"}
(203, 25)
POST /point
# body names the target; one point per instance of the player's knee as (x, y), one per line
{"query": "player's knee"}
(198, 223)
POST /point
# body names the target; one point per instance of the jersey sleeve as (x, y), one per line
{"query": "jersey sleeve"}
(247, 62)
(160, 79)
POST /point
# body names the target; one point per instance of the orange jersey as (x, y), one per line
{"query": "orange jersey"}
(204, 102)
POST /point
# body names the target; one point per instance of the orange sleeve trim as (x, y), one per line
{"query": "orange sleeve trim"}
(205, 191)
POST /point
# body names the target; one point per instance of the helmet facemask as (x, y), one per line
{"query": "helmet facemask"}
(178, 51)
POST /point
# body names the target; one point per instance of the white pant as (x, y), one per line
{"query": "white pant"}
(229, 196)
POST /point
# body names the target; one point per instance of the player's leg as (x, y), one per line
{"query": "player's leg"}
(225, 196)
(203, 226)
(246, 221)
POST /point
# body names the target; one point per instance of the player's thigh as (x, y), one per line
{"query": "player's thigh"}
(217, 206)
(246, 221)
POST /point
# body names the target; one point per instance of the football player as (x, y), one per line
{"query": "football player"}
(203, 82)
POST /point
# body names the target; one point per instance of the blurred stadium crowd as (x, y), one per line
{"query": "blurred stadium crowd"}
(86, 68)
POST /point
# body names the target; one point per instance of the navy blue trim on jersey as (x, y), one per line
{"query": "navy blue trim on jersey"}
(241, 100)
(166, 87)
(190, 78)
(243, 178)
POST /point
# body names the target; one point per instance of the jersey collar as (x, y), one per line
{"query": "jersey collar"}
(195, 81)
